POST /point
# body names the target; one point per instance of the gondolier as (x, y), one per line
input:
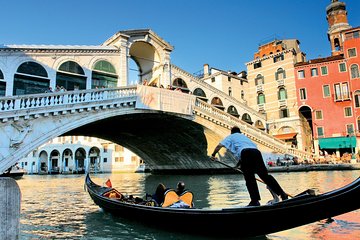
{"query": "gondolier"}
(250, 162)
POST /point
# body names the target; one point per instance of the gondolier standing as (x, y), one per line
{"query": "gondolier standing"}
(250, 162)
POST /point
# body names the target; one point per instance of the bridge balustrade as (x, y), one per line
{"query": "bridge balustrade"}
(212, 113)
(47, 101)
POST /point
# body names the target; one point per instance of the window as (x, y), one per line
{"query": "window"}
(349, 128)
(284, 113)
(326, 91)
(301, 74)
(324, 70)
(212, 79)
(133, 158)
(230, 91)
(279, 58)
(103, 75)
(119, 148)
(229, 79)
(242, 94)
(354, 71)
(105, 146)
(341, 91)
(352, 35)
(314, 72)
(282, 94)
(30, 78)
(357, 98)
(318, 115)
(71, 76)
(348, 112)
(320, 131)
(259, 80)
(280, 74)
(342, 67)
(261, 98)
(105, 160)
(302, 94)
(352, 52)
(257, 65)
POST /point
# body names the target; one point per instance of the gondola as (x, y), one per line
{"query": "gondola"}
(299, 210)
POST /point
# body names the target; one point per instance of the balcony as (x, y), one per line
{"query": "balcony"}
(281, 83)
(259, 88)
(261, 107)
(282, 103)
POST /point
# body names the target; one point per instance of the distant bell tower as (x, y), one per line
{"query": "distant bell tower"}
(336, 15)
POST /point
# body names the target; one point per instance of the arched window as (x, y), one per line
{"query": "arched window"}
(180, 83)
(242, 94)
(198, 92)
(282, 95)
(230, 91)
(103, 75)
(233, 111)
(2, 84)
(354, 71)
(280, 74)
(246, 117)
(30, 78)
(358, 122)
(260, 98)
(259, 80)
(357, 98)
(71, 76)
(217, 103)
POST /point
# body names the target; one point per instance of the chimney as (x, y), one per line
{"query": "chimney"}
(206, 70)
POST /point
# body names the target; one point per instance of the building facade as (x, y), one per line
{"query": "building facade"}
(80, 154)
(328, 88)
(272, 90)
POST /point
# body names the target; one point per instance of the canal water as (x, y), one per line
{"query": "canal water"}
(57, 207)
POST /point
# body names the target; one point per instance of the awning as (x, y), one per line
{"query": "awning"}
(285, 136)
(337, 142)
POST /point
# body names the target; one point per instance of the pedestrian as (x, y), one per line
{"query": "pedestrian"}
(250, 162)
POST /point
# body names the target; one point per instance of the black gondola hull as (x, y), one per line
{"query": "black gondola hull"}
(240, 222)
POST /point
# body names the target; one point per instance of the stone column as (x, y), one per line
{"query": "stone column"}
(10, 198)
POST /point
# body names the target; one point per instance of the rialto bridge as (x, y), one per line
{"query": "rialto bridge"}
(168, 129)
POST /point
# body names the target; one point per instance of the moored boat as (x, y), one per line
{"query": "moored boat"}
(237, 221)
(14, 172)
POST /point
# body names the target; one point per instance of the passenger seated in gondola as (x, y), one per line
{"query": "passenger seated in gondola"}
(180, 188)
(158, 196)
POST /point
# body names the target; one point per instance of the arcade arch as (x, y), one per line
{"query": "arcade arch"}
(104, 75)
(71, 76)
(147, 59)
(216, 102)
(198, 92)
(80, 156)
(30, 78)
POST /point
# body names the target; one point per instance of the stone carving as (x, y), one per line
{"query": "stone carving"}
(23, 130)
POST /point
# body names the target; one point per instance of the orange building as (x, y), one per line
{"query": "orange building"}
(328, 89)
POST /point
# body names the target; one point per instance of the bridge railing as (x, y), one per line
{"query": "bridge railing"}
(34, 101)
(221, 93)
(254, 133)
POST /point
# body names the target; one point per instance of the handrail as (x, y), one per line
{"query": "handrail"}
(35, 101)
(256, 134)
(220, 93)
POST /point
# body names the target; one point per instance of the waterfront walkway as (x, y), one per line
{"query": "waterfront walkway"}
(315, 167)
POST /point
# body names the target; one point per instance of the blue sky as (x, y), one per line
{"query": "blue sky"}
(225, 34)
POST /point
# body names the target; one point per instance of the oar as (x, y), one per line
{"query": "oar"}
(257, 179)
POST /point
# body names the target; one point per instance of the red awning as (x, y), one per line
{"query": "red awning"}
(285, 136)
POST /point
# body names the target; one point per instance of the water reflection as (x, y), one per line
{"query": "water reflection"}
(57, 207)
